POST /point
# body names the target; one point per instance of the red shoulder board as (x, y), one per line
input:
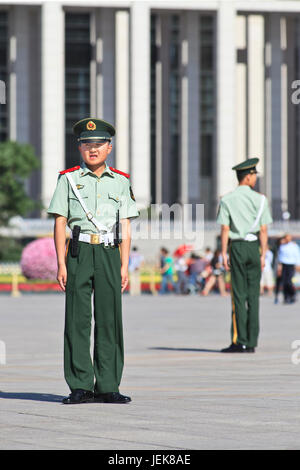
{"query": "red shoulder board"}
(120, 172)
(69, 170)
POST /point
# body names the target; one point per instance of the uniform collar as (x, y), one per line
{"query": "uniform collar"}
(84, 170)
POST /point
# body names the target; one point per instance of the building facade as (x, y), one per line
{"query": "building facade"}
(193, 88)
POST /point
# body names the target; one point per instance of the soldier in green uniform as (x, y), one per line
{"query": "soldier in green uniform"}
(95, 201)
(244, 215)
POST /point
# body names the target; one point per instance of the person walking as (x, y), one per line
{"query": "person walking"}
(97, 203)
(199, 271)
(277, 270)
(289, 258)
(180, 266)
(166, 270)
(267, 275)
(135, 263)
(243, 215)
(217, 276)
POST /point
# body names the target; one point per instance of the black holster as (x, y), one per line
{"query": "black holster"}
(75, 241)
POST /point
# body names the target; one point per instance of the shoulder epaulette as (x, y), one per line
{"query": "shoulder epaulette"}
(69, 170)
(120, 172)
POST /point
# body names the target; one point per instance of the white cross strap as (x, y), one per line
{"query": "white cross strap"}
(100, 227)
(250, 236)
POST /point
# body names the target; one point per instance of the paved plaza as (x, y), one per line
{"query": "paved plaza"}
(185, 394)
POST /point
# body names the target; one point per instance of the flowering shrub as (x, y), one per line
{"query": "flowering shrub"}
(38, 259)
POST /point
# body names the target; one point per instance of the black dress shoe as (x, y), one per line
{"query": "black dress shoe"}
(79, 396)
(250, 350)
(235, 348)
(112, 397)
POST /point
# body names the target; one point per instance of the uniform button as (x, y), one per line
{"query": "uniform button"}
(98, 196)
(98, 212)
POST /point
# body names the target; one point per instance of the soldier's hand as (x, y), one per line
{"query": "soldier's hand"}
(124, 279)
(226, 262)
(262, 262)
(62, 276)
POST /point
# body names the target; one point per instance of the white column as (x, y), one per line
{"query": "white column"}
(105, 69)
(53, 106)
(190, 110)
(140, 102)
(122, 90)
(256, 78)
(105, 60)
(225, 97)
(241, 91)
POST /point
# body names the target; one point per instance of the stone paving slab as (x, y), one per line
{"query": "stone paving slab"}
(186, 395)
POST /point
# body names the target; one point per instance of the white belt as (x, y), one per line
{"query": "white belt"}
(97, 238)
(250, 237)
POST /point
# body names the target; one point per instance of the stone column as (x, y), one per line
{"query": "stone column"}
(256, 77)
(105, 69)
(122, 90)
(241, 89)
(140, 102)
(226, 59)
(53, 103)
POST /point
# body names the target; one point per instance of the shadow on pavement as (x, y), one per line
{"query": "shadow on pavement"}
(187, 349)
(31, 396)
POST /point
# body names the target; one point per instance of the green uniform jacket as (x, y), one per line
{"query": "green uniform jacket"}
(238, 210)
(103, 196)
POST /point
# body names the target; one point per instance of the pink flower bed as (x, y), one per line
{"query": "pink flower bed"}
(38, 260)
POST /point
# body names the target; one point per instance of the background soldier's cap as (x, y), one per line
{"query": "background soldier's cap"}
(246, 167)
(93, 130)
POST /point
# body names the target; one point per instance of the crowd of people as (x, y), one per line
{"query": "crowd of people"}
(186, 272)
(195, 273)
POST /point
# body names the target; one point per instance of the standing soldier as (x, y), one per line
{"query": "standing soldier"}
(244, 215)
(95, 200)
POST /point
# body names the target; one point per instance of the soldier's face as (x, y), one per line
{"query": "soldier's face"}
(253, 180)
(95, 153)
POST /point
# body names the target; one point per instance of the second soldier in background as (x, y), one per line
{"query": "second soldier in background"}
(244, 215)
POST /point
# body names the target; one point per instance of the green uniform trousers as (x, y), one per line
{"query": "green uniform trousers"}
(245, 271)
(96, 270)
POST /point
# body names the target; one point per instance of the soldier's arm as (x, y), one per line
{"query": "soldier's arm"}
(263, 238)
(224, 245)
(125, 251)
(60, 247)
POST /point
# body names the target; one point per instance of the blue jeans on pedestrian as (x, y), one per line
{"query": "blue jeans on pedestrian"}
(165, 280)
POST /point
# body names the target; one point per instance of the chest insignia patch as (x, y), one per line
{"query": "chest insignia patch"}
(79, 186)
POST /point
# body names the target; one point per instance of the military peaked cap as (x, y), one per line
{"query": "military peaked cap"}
(246, 167)
(93, 130)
